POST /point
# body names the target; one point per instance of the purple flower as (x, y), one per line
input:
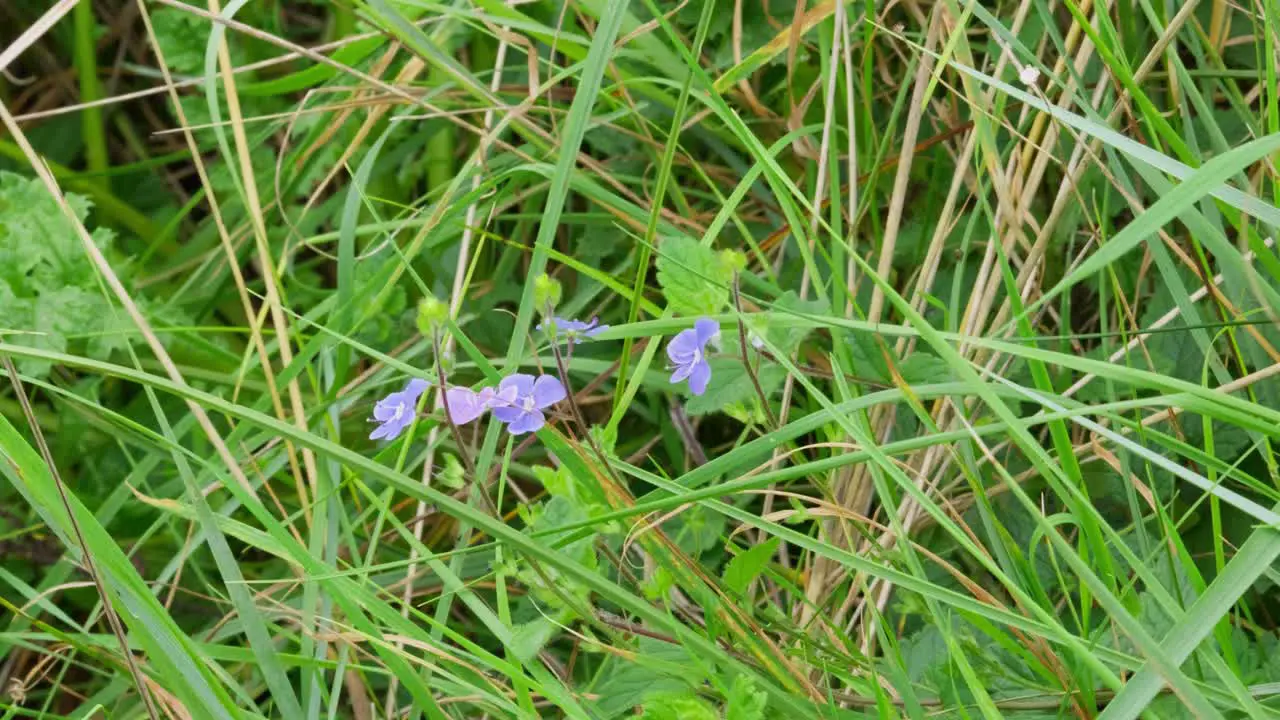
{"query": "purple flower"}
(575, 330)
(396, 411)
(466, 404)
(688, 352)
(520, 400)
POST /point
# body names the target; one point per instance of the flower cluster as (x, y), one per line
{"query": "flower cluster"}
(519, 400)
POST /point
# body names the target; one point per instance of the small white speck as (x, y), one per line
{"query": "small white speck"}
(1029, 75)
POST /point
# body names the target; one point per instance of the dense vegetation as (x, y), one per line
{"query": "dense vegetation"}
(934, 373)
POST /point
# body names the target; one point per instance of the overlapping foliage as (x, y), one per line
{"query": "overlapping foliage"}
(990, 419)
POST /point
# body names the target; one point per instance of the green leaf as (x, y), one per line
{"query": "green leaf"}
(788, 337)
(182, 38)
(747, 565)
(868, 360)
(697, 529)
(557, 481)
(694, 279)
(659, 668)
(731, 384)
(923, 368)
(686, 706)
(745, 702)
(528, 639)
(48, 287)
(548, 584)
(452, 474)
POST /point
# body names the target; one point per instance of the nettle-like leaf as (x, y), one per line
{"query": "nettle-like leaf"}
(922, 368)
(694, 279)
(919, 368)
(586, 499)
(528, 639)
(49, 288)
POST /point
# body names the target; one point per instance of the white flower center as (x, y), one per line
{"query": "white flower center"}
(528, 403)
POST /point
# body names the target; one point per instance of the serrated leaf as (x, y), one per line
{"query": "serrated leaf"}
(47, 283)
(694, 280)
(746, 566)
(745, 702)
(731, 384)
(868, 359)
(182, 38)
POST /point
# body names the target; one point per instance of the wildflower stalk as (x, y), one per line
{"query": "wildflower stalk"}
(746, 360)
(562, 367)
(578, 417)
(463, 453)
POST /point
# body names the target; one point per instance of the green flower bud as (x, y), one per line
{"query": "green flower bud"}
(432, 315)
(546, 293)
(734, 260)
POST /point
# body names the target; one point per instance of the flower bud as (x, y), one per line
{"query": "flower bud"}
(546, 293)
(734, 260)
(432, 314)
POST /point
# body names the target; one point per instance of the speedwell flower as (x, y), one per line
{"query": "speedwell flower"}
(466, 404)
(688, 353)
(395, 412)
(520, 400)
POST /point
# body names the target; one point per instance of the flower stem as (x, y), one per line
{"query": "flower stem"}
(562, 368)
(746, 360)
(448, 416)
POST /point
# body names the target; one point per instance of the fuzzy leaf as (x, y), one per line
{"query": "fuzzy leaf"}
(694, 279)
(48, 285)
(658, 669)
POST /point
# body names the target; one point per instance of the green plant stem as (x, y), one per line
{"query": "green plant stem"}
(92, 129)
